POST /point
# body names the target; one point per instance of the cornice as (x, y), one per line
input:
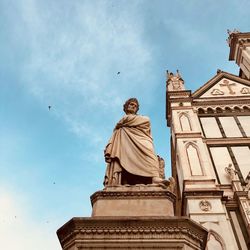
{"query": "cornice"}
(132, 195)
(186, 93)
(227, 141)
(238, 194)
(203, 193)
(188, 135)
(143, 229)
(222, 101)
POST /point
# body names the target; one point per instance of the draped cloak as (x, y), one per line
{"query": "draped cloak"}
(131, 146)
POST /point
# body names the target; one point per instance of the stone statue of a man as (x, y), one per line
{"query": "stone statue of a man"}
(130, 152)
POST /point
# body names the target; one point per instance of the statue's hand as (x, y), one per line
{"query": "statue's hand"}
(118, 126)
(107, 158)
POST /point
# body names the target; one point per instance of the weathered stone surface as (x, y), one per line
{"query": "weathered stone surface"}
(160, 232)
(135, 200)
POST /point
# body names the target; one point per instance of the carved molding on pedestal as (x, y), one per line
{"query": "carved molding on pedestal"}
(154, 230)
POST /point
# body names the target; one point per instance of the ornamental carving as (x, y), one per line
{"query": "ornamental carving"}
(217, 92)
(245, 91)
(248, 211)
(110, 229)
(205, 205)
(229, 86)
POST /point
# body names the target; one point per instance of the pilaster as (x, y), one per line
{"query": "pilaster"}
(239, 44)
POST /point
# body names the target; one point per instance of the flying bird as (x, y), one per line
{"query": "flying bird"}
(49, 107)
(118, 73)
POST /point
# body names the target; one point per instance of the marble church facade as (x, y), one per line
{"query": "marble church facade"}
(207, 203)
(210, 149)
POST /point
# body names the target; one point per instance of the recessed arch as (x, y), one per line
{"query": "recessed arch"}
(215, 241)
(237, 109)
(201, 111)
(185, 122)
(228, 109)
(210, 110)
(246, 109)
(194, 159)
(219, 110)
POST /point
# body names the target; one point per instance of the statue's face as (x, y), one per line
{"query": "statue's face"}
(131, 108)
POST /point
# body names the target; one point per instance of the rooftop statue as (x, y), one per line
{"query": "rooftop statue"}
(130, 152)
(174, 82)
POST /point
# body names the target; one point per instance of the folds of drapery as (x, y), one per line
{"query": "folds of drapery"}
(131, 147)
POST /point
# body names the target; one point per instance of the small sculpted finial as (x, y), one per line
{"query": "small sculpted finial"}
(230, 33)
(174, 81)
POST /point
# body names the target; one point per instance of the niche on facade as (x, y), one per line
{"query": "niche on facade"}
(185, 122)
(214, 241)
(194, 159)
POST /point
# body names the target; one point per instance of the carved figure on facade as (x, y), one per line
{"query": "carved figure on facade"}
(175, 82)
(130, 152)
(205, 205)
(231, 171)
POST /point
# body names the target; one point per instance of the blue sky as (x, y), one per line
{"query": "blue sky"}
(66, 54)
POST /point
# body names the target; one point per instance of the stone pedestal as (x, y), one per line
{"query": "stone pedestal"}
(136, 200)
(132, 217)
(122, 233)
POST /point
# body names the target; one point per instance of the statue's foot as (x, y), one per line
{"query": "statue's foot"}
(158, 180)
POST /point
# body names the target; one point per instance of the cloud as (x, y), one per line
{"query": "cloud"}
(73, 56)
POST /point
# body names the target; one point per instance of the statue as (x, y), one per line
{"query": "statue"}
(231, 171)
(130, 153)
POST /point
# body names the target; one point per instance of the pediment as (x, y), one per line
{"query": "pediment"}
(224, 85)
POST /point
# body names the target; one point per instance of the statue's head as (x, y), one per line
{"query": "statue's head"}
(131, 106)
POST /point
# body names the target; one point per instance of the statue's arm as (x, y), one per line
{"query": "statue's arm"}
(107, 152)
(121, 123)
